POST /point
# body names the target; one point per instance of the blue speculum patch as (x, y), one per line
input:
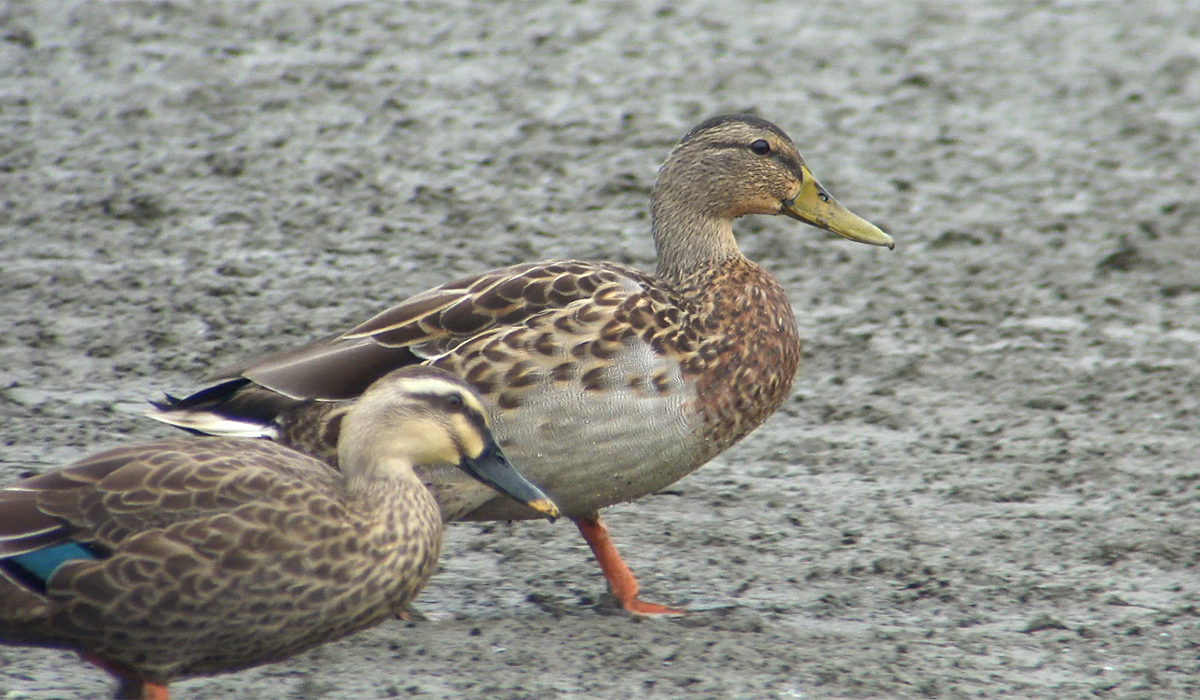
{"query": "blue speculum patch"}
(35, 568)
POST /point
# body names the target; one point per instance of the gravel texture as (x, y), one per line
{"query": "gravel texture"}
(987, 482)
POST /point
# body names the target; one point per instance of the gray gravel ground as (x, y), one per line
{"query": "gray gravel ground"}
(987, 483)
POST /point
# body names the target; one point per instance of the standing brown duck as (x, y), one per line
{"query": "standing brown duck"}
(605, 383)
(198, 556)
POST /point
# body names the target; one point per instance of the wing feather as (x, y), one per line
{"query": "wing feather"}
(112, 496)
(435, 322)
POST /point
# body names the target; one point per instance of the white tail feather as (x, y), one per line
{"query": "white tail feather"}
(212, 424)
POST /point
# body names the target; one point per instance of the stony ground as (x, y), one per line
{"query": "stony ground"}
(987, 483)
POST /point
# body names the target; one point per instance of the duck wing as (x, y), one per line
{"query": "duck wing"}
(104, 500)
(426, 326)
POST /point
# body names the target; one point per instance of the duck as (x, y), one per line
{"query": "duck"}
(202, 555)
(605, 382)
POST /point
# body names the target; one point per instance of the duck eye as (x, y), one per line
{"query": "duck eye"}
(454, 401)
(760, 147)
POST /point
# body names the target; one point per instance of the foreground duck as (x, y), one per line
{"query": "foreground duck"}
(605, 383)
(203, 555)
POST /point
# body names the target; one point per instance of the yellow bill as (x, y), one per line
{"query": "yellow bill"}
(814, 205)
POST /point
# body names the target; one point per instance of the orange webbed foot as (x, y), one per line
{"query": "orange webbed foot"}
(621, 581)
(129, 683)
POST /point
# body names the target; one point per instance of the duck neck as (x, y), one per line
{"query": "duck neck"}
(381, 477)
(689, 241)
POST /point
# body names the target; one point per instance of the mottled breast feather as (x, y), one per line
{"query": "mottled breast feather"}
(745, 366)
(654, 382)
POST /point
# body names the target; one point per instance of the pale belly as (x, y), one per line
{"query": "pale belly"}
(586, 450)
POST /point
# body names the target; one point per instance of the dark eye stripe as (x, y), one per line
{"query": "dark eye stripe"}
(447, 402)
(791, 163)
(788, 160)
(739, 145)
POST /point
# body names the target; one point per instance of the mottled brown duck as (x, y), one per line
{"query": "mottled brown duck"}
(204, 555)
(606, 383)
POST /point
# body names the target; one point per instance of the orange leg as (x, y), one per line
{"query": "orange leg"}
(130, 684)
(620, 579)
